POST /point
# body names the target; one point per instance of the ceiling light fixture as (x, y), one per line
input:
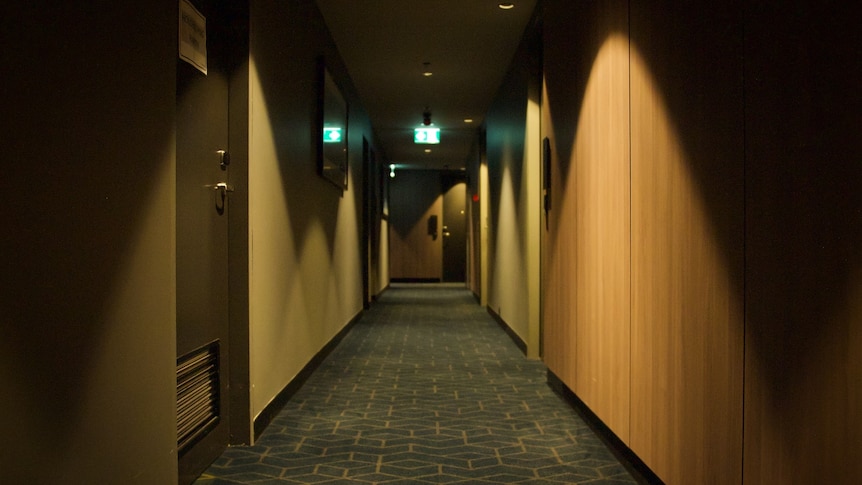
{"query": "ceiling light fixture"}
(427, 71)
(506, 5)
(427, 150)
(468, 120)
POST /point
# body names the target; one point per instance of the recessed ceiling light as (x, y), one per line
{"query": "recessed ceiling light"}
(506, 5)
(468, 120)
(427, 71)
(427, 150)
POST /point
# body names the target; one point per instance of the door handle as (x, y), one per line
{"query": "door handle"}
(221, 189)
(223, 186)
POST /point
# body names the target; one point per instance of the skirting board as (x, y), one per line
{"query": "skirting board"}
(276, 405)
(639, 470)
(511, 333)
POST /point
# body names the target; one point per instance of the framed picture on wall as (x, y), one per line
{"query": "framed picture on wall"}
(331, 129)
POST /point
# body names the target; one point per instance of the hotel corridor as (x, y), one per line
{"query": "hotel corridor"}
(425, 388)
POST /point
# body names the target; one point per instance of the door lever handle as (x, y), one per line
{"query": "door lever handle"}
(221, 190)
(221, 186)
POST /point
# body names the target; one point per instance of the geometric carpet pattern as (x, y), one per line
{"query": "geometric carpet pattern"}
(426, 388)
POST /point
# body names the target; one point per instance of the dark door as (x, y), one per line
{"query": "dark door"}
(454, 227)
(203, 202)
(415, 242)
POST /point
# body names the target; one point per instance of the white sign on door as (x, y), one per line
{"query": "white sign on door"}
(193, 36)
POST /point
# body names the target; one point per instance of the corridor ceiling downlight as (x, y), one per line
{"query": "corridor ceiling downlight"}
(506, 5)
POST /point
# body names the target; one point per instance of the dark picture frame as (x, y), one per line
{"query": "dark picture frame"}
(331, 128)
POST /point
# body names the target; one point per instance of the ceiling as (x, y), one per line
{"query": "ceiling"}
(468, 45)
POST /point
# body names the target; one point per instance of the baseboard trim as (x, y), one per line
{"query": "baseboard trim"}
(624, 454)
(380, 293)
(262, 420)
(511, 333)
(414, 280)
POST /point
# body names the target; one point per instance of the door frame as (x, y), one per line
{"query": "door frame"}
(228, 46)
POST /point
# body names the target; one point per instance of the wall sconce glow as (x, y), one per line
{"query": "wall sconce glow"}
(426, 136)
(331, 134)
(392, 171)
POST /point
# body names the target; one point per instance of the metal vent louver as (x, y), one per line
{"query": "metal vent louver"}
(197, 394)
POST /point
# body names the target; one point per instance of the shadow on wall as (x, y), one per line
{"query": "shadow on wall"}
(289, 84)
(506, 132)
(803, 239)
(88, 249)
(309, 201)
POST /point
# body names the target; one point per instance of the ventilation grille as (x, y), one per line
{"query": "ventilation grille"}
(197, 395)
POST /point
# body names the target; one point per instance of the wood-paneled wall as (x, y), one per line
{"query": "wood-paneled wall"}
(745, 274)
(643, 265)
(602, 192)
(687, 233)
(803, 277)
(587, 245)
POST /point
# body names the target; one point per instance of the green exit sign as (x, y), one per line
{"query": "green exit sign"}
(426, 136)
(331, 135)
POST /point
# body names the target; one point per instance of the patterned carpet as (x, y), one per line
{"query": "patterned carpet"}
(426, 388)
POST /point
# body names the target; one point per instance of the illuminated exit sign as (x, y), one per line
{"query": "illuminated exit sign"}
(427, 136)
(331, 135)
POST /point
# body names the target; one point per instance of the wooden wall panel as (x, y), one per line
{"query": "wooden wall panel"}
(687, 241)
(586, 247)
(745, 229)
(803, 276)
(602, 227)
(643, 255)
(558, 265)
(415, 196)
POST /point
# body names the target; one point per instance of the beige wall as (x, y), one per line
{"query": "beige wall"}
(701, 261)
(305, 278)
(514, 166)
(383, 261)
(87, 338)
(474, 228)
